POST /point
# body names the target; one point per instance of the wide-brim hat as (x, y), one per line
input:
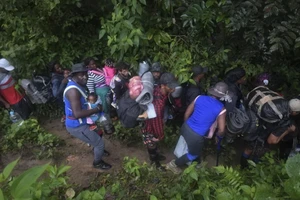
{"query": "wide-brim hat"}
(79, 67)
(219, 90)
(4, 64)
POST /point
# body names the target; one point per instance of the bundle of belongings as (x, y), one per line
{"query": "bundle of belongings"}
(137, 100)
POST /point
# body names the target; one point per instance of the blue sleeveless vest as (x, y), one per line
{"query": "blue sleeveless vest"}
(71, 121)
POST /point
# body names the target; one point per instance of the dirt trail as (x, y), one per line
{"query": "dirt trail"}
(80, 156)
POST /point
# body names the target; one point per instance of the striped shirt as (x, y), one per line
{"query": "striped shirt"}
(95, 80)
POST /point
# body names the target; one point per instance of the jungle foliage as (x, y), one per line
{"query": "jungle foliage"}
(271, 179)
(221, 34)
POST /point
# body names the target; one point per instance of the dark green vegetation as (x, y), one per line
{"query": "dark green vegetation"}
(258, 35)
(272, 179)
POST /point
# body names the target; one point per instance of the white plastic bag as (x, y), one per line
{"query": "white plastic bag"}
(181, 147)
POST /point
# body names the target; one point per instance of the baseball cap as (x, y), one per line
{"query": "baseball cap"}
(169, 80)
(199, 70)
(294, 105)
(156, 67)
(4, 64)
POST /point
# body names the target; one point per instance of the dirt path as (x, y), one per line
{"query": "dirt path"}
(80, 156)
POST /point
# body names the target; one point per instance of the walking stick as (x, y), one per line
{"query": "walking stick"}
(218, 149)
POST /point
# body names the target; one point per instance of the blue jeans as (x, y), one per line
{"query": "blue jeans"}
(84, 134)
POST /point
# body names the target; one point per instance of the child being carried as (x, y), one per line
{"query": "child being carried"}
(98, 119)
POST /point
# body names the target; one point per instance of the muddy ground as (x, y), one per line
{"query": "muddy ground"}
(79, 156)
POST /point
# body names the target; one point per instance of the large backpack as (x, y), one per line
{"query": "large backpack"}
(43, 85)
(267, 104)
(38, 89)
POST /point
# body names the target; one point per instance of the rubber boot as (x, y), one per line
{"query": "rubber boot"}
(244, 161)
(154, 158)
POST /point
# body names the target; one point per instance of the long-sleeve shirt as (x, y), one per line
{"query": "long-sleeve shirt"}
(56, 81)
(95, 80)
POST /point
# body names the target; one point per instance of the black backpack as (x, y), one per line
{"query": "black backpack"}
(128, 111)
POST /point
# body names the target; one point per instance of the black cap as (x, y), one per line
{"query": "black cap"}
(199, 70)
(169, 80)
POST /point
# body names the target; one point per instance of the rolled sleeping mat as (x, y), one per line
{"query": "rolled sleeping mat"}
(236, 121)
(143, 67)
(146, 95)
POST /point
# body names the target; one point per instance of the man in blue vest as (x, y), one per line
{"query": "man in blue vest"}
(76, 113)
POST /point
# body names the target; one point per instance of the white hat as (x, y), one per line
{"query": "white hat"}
(294, 105)
(6, 65)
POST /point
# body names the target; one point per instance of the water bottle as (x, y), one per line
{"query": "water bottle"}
(106, 123)
(15, 118)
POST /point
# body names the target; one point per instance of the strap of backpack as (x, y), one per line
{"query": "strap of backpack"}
(74, 86)
(266, 98)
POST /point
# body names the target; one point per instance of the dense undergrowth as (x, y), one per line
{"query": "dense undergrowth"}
(270, 179)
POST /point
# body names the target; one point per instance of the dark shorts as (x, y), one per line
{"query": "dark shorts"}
(23, 107)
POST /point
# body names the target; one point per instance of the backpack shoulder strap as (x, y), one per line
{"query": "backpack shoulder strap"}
(74, 86)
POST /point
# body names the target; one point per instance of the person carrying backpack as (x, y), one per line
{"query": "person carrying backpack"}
(274, 114)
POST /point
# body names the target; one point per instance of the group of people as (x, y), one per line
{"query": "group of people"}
(88, 92)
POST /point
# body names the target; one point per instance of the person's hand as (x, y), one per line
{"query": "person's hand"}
(65, 80)
(292, 128)
(154, 139)
(218, 141)
(99, 108)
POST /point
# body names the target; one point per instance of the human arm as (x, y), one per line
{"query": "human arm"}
(189, 110)
(62, 87)
(5, 103)
(221, 121)
(73, 95)
(274, 139)
(55, 86)
(91, 84)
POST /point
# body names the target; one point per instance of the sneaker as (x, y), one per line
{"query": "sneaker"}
(106, 153)
(102, 165)
(173, 167)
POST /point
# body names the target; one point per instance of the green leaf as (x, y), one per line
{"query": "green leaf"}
(209, 3)
(1, 195)
(21, 185)
(63, 169)
(101, 33)
(194, 175)
(292, 166)
(143, 2)
(8, 169)
(128, 24)
(152, 197)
